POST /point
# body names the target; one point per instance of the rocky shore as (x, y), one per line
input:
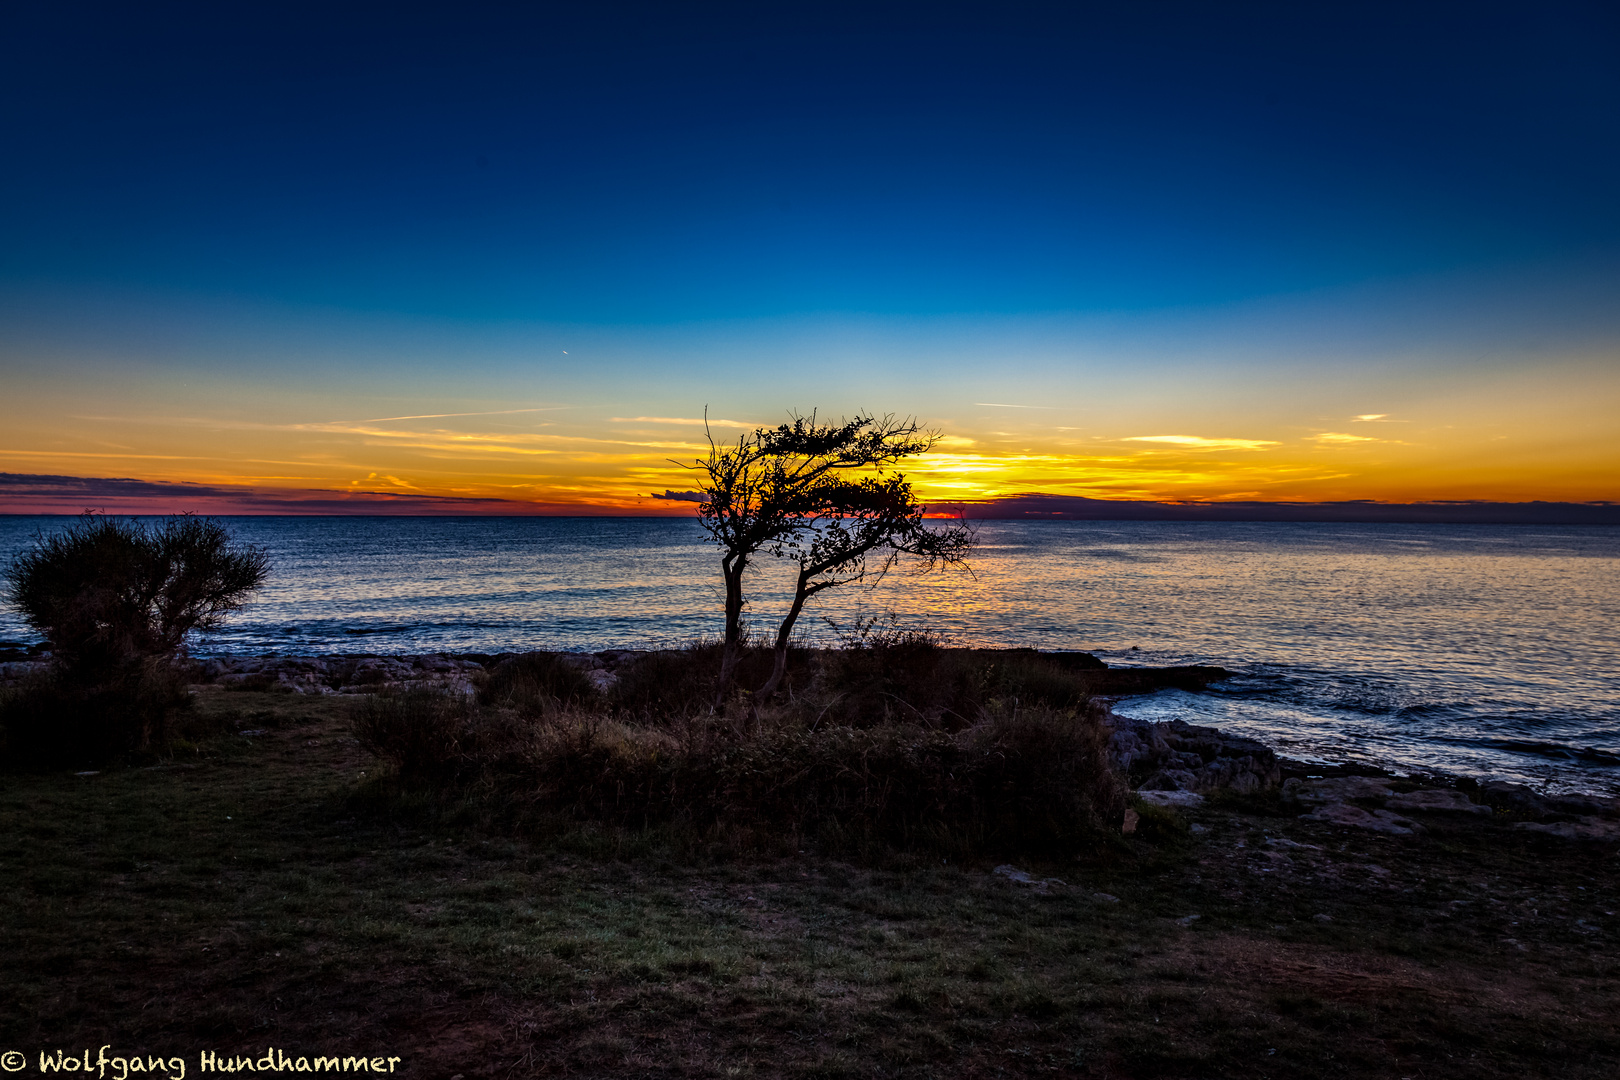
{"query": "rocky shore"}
(1169, 764)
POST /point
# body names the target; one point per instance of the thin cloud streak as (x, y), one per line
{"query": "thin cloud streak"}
(1198, 442)
(680, 420)
(441, 415)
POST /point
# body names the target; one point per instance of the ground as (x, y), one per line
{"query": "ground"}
(258, 891)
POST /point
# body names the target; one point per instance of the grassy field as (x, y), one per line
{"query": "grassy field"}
(272, 889)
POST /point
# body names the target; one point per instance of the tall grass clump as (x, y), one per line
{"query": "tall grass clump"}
(430, 735)
(1037, 781)
(909, 677)
(537, 683)
(905, 746)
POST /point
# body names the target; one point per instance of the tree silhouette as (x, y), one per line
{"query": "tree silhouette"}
(112, 593)
(796, 491)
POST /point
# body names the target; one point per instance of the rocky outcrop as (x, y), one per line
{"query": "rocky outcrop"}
(341, 674)
(1379, 803)
(1177, 756)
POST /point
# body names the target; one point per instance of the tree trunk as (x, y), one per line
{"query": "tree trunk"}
(731, 568)
(779, 664)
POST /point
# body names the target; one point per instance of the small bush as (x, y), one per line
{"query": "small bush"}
(537, 683)
(117, 599)
(424, 734)
(672, 684)
(910, 678)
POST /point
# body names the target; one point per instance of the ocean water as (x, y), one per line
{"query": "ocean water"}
(1485, 650)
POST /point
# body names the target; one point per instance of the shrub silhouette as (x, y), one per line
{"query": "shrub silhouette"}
(117, 599)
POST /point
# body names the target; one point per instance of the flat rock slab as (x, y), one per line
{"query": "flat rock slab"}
(1356, 818)
(1178, 799)
(1587, 828)
(1337, 789)
(1445, 800)
(1020, 877)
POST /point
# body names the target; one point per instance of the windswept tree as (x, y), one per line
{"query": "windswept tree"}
(873, 520)
(817, 493)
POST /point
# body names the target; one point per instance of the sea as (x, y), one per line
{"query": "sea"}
(1484, 650)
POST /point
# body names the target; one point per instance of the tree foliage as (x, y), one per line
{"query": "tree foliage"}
(821, 495)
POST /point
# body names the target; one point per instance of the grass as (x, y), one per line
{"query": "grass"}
(278, 889)
(954, 753)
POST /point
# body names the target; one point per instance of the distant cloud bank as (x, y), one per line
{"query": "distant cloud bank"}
(24, 493)
(27, 493)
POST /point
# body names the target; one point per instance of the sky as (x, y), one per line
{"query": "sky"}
(506, 259)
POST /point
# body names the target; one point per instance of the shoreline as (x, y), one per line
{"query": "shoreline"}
(1169, 763)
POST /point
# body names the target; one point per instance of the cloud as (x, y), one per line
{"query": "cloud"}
(1339, 438)
(691, 421)
(32, 493)
(439, 415)
(682, 496)
(1198, 442)
(1368, 417)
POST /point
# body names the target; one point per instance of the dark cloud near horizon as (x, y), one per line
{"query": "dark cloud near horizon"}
(46, 493)
(26, 493)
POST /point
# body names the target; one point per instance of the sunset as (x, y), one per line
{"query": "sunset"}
(1248, 256)
(755, 540)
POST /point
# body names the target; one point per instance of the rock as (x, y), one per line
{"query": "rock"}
(1019, 877)
(1336, 790)
(1586, 828)
(1515, 797)
(1354, 816)
(1179, 799)
(1177, 756)
(1132, 820)
(1107, 898)
(1284, 842)
(1436, 800)
(1585, 805)
(1170, 780)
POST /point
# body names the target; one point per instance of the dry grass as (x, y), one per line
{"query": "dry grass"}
(952, 754)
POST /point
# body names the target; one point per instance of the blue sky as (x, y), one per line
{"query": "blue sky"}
(302, 201)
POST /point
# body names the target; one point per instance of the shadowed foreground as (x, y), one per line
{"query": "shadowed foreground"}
(263, 889)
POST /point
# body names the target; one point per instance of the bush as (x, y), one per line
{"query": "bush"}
(424, 734)
(678, 684)
(908, 677)
(870, 751)
(537, 683)
(117, 599)
(1038, 782)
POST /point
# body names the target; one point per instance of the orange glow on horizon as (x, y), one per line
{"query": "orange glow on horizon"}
(615, 465)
